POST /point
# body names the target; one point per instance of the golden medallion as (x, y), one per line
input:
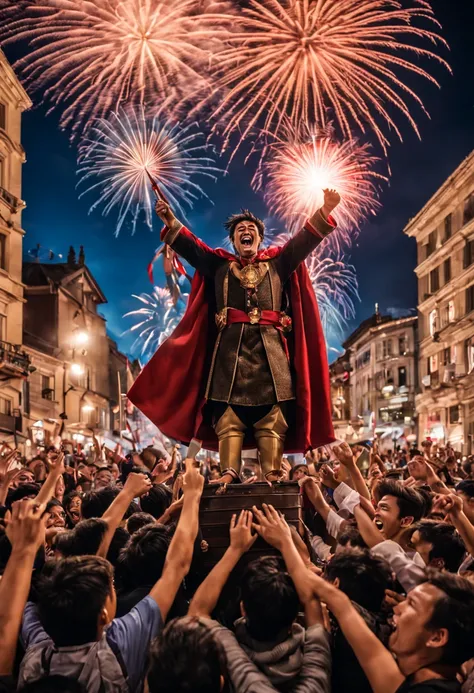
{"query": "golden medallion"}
(254, 316)
(250, 276)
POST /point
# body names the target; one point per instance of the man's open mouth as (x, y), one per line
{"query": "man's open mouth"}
(246, 239)
(378, 524)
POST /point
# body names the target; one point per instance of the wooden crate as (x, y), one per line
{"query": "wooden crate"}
(217, 508)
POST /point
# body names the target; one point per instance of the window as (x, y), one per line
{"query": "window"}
(447, 356)
(433, 363)
(5, 406)
(468, 253)
(454, 414)
(447, 270)
(448, 227)
(47, 387)
(3, 251)
(3, 116)
(470, 354)
(433, 322)
(468, 209)
(402, 376)
(470, 299)
(431, 245)
(451, 311)
(402, 345)
(434, 280)
(363, 359)
(387, 348)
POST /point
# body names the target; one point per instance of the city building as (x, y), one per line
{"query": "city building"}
(444, 233)
(65, 337)
(14, 362)
(382, 378)
(339, 374)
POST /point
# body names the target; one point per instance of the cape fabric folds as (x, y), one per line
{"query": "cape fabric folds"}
(170, 389)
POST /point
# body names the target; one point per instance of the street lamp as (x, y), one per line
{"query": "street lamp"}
(81, 337)
(77, 369)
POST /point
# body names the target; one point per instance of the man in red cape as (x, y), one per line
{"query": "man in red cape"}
(247, 364)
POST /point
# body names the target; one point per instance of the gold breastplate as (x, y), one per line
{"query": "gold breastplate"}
(249, 276)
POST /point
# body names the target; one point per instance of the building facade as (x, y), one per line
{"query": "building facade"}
(381, 380)
(65, 338)
(14, 362)
(339, 374)
(444, 233)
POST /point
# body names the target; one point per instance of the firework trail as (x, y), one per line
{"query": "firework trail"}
(91, 57)
(156, 319)
(119, 152)
(295, 170)
(320, 60)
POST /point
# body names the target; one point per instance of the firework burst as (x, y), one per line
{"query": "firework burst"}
(121, 150)
(90, 57)
(310, 60)
(156, 319)
(295, 171)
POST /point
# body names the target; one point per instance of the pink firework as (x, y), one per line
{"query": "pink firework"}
(294, 172)
(90, 57)
(314, 60)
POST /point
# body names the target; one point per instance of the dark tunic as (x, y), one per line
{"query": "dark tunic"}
(250, 366)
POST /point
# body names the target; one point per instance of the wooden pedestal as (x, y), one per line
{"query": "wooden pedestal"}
(219, 503)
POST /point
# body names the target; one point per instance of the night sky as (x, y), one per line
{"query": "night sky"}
(383, 256)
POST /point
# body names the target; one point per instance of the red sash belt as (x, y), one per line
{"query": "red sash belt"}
(267, 317)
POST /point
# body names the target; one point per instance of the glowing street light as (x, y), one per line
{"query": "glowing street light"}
(88, 407)
(81, 338)
(77, 369)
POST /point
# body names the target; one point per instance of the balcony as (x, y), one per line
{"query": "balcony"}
(10, 424)
(13, 202)
(13, 362)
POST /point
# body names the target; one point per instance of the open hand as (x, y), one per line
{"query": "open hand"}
(328, 478)
(272, 526)
(331, 200)
(343, 453)
(241, 537)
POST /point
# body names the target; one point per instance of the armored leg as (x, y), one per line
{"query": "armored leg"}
(230, 433)
(270, 438)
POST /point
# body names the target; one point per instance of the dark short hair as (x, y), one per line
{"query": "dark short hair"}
(139, 520)
(447, 544)
(72, 597)
(455, 612)
(350, 536)
(466, 487)
(269, 598)
(23, 491)
(244, 215)
(142, 560)
(95, 503)
(117, 544)
(362, 576)
(187, 658)
(157, 500)
(83, 540)
(410, 502)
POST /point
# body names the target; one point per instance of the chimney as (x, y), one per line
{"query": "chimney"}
(82, 257)
(378, 317)
(71, 257)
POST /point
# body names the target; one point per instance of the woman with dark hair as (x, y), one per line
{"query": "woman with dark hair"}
(72, 506)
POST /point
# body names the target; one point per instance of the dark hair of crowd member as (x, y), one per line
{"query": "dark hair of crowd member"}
(142, 560)
(466, 487)
(447, 544)
(139, 520)
(72, 597)
(349, 536)
(157, 500)
(186, 657)
(410, 503)
(362, 576)
(83, 540)
(454, 611)
(244, 215)
(54, 684)
(269, 598)
(95, 503)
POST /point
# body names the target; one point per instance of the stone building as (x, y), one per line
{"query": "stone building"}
(14, 363)
(444, 233)
(383, 375)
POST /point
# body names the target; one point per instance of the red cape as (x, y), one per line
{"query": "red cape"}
(170, 389)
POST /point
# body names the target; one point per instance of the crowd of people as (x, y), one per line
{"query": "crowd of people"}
(104, 588)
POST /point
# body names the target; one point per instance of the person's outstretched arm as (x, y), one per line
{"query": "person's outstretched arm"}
(56, 468)
(25, 530)
(185, 243)
(315, 230)
(180, 552)
(241, 539)
(376, 661)
(135, 486)
(344, 454)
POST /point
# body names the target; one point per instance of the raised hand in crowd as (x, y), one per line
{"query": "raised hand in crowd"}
(25, 529)
(8, 473)
(344, 454)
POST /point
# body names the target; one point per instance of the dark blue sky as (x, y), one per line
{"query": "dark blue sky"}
(383, 256)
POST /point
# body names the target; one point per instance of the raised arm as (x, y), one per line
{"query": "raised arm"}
(185, 244)
(305, 241)
(180, 552)
(344, 454)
